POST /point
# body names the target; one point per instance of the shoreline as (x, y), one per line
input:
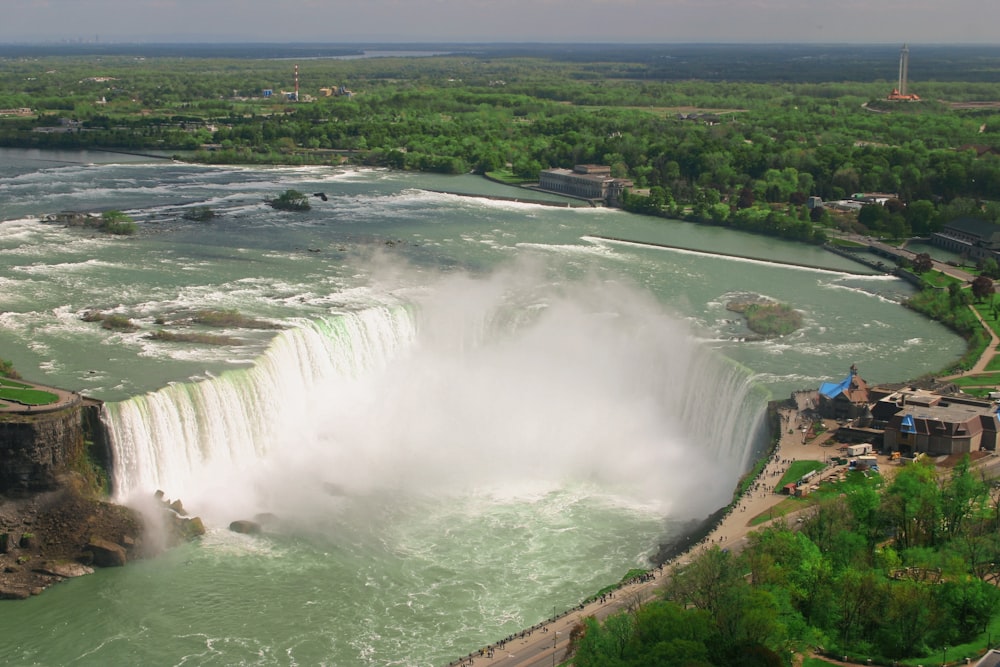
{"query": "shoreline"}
(547, 642)
(572, 202)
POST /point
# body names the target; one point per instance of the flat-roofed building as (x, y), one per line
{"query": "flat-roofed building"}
(970, 237)
(585, 181)
(924, 422)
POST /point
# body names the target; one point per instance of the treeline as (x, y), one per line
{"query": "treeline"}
(888, 574)
(741, 153)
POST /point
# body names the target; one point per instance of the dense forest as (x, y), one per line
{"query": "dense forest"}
(729, 135)
(883, 571)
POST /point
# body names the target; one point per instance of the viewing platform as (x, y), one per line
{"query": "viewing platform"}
(18, 397)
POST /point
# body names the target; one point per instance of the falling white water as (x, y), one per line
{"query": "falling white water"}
(485, 384)
(187, 435)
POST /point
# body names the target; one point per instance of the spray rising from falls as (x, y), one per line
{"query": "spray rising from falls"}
(483, 385)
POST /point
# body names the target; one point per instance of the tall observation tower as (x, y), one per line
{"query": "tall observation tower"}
(904, 64)
(900, 94)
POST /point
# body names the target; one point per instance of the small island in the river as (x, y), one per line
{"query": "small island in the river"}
(766, 317)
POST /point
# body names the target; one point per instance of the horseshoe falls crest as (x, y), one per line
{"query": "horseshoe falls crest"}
(588, 388)
(186, 435)
(441, 473)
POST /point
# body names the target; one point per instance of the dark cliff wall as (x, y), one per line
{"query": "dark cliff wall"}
(100, 453)
(36, 449)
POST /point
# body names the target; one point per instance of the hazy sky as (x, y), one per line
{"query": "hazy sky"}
(338, 21)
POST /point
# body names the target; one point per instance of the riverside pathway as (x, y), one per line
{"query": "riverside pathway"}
(546, 644)
(987, 356)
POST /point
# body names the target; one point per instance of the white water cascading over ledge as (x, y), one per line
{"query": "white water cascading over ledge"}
(462, 392)
(169, 438)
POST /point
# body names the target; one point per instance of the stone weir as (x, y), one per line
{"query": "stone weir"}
(55, 520)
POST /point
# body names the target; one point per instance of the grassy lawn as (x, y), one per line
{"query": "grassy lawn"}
(827, 490)
(978, 380)
(507, 177)
(18, 392)
(938, 279)
(797, 469)
(847, 243)
(786, 506)
(985, 310)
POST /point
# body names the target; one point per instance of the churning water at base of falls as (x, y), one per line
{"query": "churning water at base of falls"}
(476, 412)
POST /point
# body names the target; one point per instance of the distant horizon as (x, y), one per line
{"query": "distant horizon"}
(496, 42)
(516, 21)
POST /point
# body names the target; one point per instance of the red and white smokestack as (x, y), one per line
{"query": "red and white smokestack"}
(296, 83)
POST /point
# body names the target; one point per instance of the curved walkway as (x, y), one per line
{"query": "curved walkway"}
(986, 357)
(65, 399)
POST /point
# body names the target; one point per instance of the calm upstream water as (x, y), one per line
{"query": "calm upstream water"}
(474, 412)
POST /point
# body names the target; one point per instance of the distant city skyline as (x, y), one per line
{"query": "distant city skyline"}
(471, 21)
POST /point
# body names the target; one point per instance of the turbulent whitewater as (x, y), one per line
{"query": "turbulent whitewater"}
(470, 388)
(476, 412)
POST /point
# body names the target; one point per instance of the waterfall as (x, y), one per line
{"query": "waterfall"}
(459, 392)
(162, 439)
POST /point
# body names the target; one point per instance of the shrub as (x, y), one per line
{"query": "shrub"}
(205, 339)
(200, 214)
(776, 319)
(7, 370)
(290, 200)
(230, 318)
(116, 222)
(110, 322)
(765, 317)
(118, 323)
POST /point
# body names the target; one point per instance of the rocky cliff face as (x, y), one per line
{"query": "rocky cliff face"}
(54, 521)
(36, 449)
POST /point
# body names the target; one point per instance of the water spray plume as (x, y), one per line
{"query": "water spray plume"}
(501, 383)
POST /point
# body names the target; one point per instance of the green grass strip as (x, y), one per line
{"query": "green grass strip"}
(28, 396)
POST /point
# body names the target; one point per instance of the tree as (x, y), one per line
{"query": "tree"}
(873, 216)
(290, 200)
(909, 618)
(704, 583)
(858, 599)
(922, 263)
(118, 223)
(912, 506)
(957, 296)
(989, 267)
(982, 287)
(968, 603)
(921, 214)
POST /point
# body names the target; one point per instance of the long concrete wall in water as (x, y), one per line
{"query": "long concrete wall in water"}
(734, 255)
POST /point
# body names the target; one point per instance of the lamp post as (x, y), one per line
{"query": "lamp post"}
(944, 655)
(555, 639)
